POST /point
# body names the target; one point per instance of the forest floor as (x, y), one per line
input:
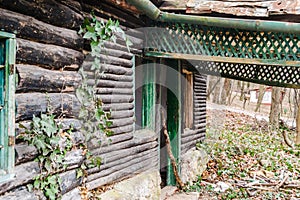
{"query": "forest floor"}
(246, 160)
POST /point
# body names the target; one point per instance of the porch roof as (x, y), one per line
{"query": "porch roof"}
(253, 50)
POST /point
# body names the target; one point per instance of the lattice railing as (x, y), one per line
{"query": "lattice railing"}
(239, 54)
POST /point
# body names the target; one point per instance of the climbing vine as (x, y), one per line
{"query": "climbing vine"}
(96, 120)
(52, 144)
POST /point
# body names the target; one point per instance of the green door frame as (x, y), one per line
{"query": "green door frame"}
(173, 115)
(7, 101)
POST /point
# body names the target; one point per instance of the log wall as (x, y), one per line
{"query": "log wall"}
(49, 55)
(190, 137)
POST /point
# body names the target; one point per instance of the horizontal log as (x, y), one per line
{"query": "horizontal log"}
(126, 158)
(200, 109)
(108, 76)
(199, 97)
(122, 122)
(96, 143)
(72, 4)
(200, 118)
(116, 91)
(115, 98)
(23, 175)
(127, 172)
(111, 84)
(201, 87)
(127, 161)
(194, 137)
(118, 106)
(121, 114)
(24, 153)
(122, 47)
(201, 126)
(36, 79)
(187, 146)
(187, 132)
(48, 56)
(197, 85)
(117, 155)
(49, 11)
(199, 121)
(69, 181)
(117, 53)
(122, 129)
(29, 28)
(111, 60)
(29, 104)
(118, 146)
(113, 69)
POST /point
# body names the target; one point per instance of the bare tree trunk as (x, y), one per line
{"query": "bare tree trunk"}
(226, 91)
(297, 141)
(217, 91)
(242, 91)
(262, 91)
(275, 109)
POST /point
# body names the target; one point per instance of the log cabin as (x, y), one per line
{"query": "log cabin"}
(41, 54)
(159, 81)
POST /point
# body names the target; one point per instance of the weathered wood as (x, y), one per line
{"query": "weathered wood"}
(188, 132)
(36, 79)
(116, 98)
(127, 172)
(200, 121)
(21, 193)
(122, 129)
(106, 11)
(107, 166)
(111, 60)
(23, 175)
(123, 163)
(69, 181)
(111, 158)
(25, 153)
(29, 28)
(29, 104)
(111, 83)
(199, 117)
(118, 106)
(113, 69)
(109, 76)
(49, 11)
(117, 154)
(96, 143)
(117, 146)
(122, 47)
(114, 91)
(200, 127)
(122, 122)
(48, 56)
(72, 4)
(191, 138)
(117, 53)
(122, 114)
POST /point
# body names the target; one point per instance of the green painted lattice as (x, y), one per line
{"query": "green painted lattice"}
(262, 57)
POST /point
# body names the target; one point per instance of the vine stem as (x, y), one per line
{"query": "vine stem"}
(169, 151)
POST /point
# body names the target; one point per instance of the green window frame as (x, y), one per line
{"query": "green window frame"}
(7, 104)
